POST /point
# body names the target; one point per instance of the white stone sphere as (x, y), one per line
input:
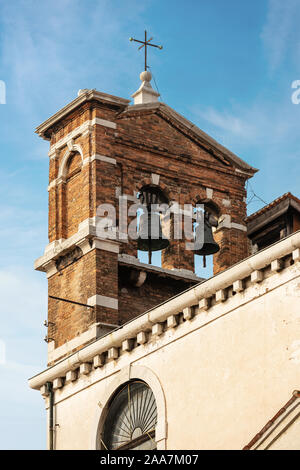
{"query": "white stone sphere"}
(146, 76)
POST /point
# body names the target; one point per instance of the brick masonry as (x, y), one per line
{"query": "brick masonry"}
(145, 141)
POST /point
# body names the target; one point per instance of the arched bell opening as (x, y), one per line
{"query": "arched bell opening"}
(206, 215)
(151, 238)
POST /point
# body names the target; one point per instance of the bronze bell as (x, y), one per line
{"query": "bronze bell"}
(150, 233)
(204, 237)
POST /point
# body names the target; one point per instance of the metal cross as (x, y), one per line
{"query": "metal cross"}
(145, 44)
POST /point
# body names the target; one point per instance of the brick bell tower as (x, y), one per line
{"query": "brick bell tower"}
(103, 148)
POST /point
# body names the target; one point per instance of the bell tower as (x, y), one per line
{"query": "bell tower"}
(103, 153)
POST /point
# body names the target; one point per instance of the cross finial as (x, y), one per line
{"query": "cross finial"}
(145, 44)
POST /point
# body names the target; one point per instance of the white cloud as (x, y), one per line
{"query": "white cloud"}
(263, 123)
(265, 134)
(228, 122)
(46, 50)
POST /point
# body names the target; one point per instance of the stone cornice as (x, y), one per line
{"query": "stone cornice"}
(176, 273)
(95, 331)
(86, 232)
(88, 95)
(211, 293)
(160, 108)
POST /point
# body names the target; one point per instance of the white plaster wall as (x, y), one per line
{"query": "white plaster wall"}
(222, 379)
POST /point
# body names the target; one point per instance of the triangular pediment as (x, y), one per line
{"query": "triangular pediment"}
(215, 152)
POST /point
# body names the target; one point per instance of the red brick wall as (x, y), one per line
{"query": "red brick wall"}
(156, 289)
(76, 282)
(147, 143)
(143, 143)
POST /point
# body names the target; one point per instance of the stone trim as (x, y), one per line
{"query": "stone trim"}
(86, 232)
(180, 273)
(62, 173)
(71, 376)
(127, 345)
(238, 286)
(257, 276)
(239, 227)
(85, 368)
(209, 193)
(226, 202)
(157, 329)
(203, 304)
(103, 301)
(102, 158)
(277, 265)
(140, 328)
(145, 94)
(187, 313)
(57, 383)
(88, 95)
(225, 222)
(104, 122)
(106, 245)
(85, 161)
(296, 255)
(95, 331)
(141, 337)
(220, 295)
(98, 361)
(155, 178)
(78, 131)
(50, 268)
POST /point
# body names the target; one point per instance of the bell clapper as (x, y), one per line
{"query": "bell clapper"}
(204, 261)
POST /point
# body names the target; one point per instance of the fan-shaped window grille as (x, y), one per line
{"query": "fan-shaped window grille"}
(131, 419)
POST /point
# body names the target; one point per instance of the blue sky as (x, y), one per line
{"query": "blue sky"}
(227, 65)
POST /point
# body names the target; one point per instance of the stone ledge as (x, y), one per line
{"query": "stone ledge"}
(57, 248)
(140, 327)
(178, 273)
(94, 332)
(103, 301)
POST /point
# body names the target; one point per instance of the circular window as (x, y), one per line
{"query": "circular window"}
(131, 419)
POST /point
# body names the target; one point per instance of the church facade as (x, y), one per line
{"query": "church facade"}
(145, 357)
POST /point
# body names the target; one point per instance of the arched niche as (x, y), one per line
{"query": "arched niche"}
(72, 149)
(72, 192)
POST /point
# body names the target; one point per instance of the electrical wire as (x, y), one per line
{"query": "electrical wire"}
(254, 196)
(155, 82)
